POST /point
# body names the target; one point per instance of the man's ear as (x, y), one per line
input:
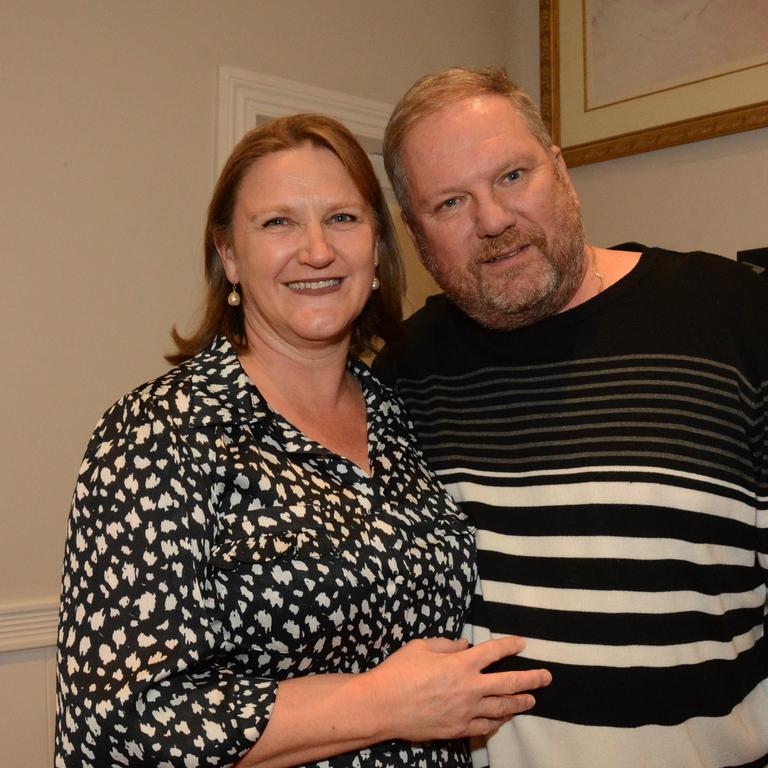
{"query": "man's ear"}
(409, 227)
(561, 171)
(557, 159)
(559, 162)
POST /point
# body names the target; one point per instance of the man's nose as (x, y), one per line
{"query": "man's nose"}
(492, 216)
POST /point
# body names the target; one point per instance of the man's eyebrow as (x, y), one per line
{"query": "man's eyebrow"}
(512, 162)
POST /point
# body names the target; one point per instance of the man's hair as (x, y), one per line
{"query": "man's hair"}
(431, 93)
(382, 314)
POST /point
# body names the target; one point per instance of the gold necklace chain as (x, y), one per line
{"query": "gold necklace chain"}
(599, 277)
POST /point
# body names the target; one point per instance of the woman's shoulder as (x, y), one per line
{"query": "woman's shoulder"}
(199, 390)
(381, 394)
(145, 411)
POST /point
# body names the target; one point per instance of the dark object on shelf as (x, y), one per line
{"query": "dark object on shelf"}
(757, 259)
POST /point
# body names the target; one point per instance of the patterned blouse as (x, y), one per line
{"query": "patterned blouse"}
(213, 550)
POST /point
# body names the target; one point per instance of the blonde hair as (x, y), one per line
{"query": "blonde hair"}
(431, 93)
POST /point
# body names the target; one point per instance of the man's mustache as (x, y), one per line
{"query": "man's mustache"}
(509, 240)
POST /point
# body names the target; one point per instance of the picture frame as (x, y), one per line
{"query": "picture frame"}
(727, 100)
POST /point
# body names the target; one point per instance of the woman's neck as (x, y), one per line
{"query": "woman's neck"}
(313, 390)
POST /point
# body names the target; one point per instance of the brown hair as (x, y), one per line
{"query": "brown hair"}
(382, 314)
(431, 93)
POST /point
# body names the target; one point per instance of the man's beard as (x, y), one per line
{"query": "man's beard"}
(518, 294)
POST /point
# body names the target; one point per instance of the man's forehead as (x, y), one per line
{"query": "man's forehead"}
(470, 134)
(465, 123)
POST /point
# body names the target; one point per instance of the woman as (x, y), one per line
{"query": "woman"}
(255, 542)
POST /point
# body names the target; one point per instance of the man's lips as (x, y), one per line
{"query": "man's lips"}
(504, 255)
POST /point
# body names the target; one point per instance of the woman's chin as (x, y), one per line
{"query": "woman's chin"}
(324, 329)
(325, 335)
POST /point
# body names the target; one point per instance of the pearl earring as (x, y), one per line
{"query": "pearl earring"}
(375, 283)
(233, 299)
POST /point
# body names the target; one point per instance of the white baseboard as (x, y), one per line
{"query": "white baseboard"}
(28, 625)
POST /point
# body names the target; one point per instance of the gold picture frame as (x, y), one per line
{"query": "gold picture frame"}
(724, 103)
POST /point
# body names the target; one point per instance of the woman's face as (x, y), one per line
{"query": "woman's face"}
(302, 249)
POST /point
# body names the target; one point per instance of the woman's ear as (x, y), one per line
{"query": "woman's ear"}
(228, 261)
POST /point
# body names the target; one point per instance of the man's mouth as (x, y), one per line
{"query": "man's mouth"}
(505, 254)
(314, 285)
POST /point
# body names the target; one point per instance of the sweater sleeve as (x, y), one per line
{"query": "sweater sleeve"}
(760, 334)
(384, 367)
(143, 678)
(762, 502)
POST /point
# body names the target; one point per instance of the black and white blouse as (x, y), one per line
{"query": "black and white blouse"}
(213, 550)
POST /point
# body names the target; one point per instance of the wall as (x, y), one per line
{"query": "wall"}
(107, 155)
(107, 149)
(710, 195)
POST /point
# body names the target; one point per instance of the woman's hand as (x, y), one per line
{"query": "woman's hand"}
(428, 690)
(435, 689)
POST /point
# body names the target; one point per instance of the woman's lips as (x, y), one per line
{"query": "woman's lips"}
(314, 286)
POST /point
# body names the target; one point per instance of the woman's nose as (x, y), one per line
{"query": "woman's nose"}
(316, 250)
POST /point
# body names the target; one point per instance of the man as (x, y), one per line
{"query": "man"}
(602, 416)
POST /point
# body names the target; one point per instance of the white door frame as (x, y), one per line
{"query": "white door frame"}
(246, 98)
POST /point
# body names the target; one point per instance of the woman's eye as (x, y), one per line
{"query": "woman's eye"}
(278, 221)
(343, 218)
(513, 175)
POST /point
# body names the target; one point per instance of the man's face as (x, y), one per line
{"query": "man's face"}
(493, 213)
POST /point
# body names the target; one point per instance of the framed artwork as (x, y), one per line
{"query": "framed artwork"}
(620, 77)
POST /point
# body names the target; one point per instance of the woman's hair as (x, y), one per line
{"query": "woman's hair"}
(381, 316)
(431, 93)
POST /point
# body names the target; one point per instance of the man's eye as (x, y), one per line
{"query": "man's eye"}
(451, 202)
(343, 218)
(278, 221)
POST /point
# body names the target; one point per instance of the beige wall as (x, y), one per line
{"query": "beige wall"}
(107, 153)
(710, 195)
(107, 144)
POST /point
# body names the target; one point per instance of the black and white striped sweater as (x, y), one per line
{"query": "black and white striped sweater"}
(614, 460)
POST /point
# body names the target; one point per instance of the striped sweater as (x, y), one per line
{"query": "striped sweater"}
(613, 458)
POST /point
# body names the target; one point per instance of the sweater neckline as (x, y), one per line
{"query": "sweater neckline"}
(570, 317)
